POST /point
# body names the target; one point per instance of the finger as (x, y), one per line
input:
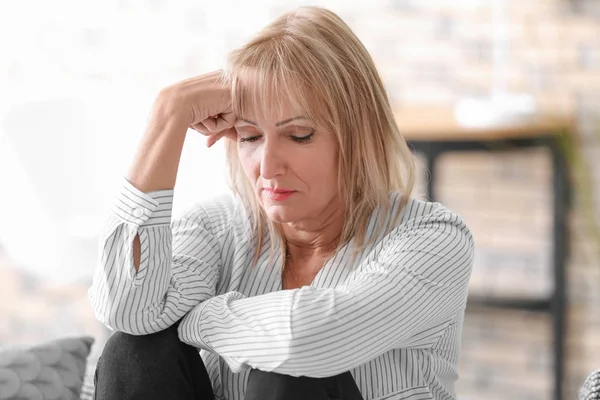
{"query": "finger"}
(219, 123)
(214, 139)
(203, 129)
(229, 116)
(211, 124)
(230, 134)
(199, 127)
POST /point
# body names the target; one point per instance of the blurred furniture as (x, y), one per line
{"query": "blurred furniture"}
(53, 369)
(433, 131)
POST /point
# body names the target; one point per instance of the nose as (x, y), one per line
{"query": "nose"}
(272, 161)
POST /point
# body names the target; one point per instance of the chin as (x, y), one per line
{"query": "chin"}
(280, 215)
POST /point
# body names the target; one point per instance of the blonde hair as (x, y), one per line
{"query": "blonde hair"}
(311, 58)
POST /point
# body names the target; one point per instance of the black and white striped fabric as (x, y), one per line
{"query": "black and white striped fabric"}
(393, 316)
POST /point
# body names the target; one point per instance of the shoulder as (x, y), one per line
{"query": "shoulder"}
(431, 221)
(428, 236)
(418, 212)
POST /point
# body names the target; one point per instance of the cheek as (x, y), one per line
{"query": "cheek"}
(330, 174)
(249, 163)
(321, 170)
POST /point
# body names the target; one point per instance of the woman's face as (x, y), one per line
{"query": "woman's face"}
(291, 163)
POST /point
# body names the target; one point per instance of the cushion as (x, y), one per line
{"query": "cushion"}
(590, 390)
(53, 370)
(88, 388)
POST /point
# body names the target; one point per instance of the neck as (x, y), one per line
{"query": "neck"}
(309, 240)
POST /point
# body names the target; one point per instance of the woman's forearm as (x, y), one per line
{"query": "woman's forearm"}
(157, 158)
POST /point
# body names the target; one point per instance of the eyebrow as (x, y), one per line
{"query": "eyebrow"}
(280, 123)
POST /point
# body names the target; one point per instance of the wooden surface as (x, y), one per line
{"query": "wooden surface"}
(436, 123)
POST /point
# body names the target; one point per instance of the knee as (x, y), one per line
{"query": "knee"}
(154, 366)
(131, 349)
(276, 386)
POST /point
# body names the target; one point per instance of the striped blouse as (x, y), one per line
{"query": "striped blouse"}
(393, 316)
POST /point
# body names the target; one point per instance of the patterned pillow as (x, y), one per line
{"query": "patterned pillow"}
(49, 371)
(590, 390)
(88, 388)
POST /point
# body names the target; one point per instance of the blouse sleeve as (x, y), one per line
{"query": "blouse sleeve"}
(179, 262)
(404, 297)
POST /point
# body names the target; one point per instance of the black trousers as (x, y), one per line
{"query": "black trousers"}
(160, 366)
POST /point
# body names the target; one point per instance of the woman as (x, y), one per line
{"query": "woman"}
(320, 278)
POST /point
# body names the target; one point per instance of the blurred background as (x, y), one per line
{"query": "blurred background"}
(519, 78)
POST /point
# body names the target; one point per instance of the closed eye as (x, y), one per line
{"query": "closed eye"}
(247, 134)
(249, 139)
(302, 139)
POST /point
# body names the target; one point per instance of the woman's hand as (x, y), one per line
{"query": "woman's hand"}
(203, 103)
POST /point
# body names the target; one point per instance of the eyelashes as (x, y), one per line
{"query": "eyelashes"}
(249, 139)
(297, 139)
(303, 139)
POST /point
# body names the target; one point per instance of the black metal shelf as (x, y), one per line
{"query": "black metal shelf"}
(556, 304)
(538, 305)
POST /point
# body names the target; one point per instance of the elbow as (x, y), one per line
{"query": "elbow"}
(303, 359)
(304, 364)
(121, 317)
(131, 323)
(105, 313)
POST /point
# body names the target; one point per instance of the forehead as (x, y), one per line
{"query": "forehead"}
(268, 107)
(257, 98)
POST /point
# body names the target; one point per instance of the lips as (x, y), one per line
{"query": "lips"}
(278, 194)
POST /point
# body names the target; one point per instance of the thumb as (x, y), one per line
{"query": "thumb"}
(229, 133)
